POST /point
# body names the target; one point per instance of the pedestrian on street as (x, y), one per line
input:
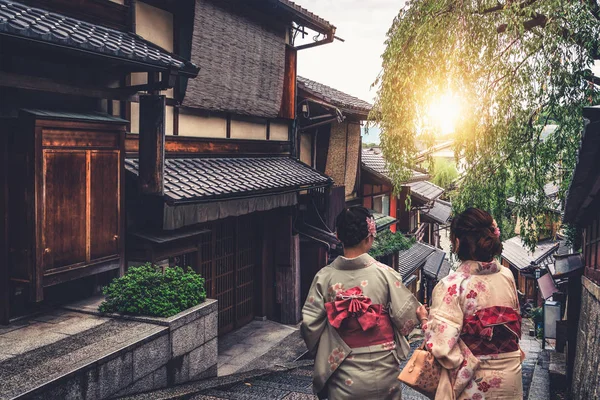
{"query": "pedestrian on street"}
(474, 325)
(356, 317)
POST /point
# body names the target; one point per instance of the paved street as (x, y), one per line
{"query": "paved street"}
(275, 374)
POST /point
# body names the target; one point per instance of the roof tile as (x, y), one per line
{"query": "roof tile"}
(19, 20)
(334, 96)
(196, 179)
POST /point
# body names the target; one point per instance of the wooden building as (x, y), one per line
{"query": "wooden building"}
(329, 140)
(523, 264)
(62, 75)
(204, 163)
(582, 209)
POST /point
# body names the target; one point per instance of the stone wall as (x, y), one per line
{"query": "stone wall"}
(586, 374)
(182, 348)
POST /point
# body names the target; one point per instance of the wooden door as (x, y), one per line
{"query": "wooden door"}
(224, 273)
(245, 270)
(105, 200)
(63, 209)
(228, 261)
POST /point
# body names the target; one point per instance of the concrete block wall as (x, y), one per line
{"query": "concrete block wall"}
(180, 349)
(188, 352)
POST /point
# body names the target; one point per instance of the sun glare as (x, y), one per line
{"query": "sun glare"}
(444, 113)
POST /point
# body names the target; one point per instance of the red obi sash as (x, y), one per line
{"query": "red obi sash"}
(492, 330)
(359, 322)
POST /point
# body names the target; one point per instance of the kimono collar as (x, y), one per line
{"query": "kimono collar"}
(362, 261)
(479, 268)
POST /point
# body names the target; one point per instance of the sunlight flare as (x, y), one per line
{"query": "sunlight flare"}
(444, 112)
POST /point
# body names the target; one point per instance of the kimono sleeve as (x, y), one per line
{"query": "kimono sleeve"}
(403, 304)
(442, 331)
(314, 315)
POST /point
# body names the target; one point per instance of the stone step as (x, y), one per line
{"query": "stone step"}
(75, 364)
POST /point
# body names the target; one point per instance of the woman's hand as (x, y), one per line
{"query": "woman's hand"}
(422, 313)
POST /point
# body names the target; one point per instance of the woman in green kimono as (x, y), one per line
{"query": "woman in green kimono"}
(356, 317)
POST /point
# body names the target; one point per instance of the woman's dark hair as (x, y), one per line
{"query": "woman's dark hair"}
(475, 230)
(352, 227)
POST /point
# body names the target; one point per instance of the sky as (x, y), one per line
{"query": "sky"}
(350, 66)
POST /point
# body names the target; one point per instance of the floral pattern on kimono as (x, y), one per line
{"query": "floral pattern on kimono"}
(461, 294)
(337, 366)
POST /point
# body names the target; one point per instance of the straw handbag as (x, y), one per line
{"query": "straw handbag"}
(422, 372)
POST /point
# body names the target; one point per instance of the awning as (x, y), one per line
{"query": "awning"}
(433, 265)
(547, 286)
(198, 180)
(440, 212)
(414, 258)
(21, 22)
(199, 190)
(567, 264)
(383, 221)
(425, 191)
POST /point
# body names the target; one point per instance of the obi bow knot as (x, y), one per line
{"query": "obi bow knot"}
(352, 303)
(484, 321)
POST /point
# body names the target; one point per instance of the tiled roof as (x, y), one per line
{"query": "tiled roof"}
(444, 270)
(433, 264)
(303, 11)
(413, 258)
(21, 21)
(334, 96)
(372, 160)
(198, 179)
(382, 221)
(567, 263)
(518, 255)
(440, 212)
(425, 191)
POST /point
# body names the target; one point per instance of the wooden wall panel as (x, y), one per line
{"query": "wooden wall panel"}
(105, 203)
(64, 214)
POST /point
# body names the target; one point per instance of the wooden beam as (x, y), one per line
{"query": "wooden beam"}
(4, 282)
(152, 144)
(288, 102)
(182, 145)
(8, 79)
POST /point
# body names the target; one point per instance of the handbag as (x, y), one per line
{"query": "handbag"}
(422, 372)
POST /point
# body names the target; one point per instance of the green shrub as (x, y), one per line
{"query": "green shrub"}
(388, 242)
(146, 290)
(537, 315)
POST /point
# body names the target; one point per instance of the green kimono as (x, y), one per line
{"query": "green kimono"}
(382, 313)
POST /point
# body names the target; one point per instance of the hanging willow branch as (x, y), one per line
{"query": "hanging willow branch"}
(515, 66)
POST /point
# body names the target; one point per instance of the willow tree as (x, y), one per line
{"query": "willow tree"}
(512, 67)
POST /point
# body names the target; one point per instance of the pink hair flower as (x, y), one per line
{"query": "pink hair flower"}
(372, 227)
(497, 231)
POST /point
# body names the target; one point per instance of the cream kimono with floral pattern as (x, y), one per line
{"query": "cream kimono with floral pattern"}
(370, 372)
(474, 286)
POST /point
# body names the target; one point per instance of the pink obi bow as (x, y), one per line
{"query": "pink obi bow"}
(353, 303)
(483, 322)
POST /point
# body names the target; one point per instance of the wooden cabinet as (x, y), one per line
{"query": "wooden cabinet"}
(66, 200)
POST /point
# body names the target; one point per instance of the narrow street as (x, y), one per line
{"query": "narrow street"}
(276, 375)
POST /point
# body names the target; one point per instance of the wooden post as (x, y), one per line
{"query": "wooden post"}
(4, 283)
(152, 144)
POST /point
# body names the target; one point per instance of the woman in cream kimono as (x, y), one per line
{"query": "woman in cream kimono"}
(355, 318)
(474, 325)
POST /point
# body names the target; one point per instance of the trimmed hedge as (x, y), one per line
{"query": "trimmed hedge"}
(147, 290)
